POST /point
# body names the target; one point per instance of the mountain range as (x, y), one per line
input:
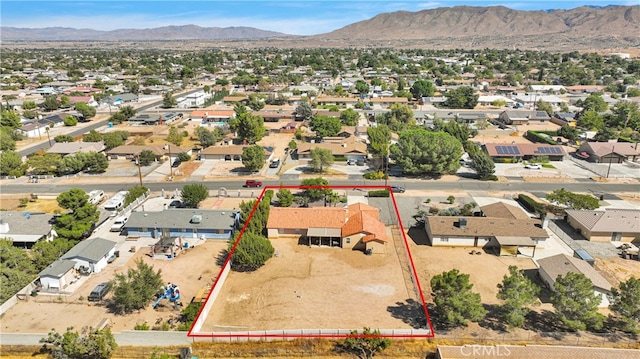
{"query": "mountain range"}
(460, 26)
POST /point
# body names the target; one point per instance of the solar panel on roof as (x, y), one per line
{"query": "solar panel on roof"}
(542, 149)
(515, 150)
(499, 150)
(556, 150)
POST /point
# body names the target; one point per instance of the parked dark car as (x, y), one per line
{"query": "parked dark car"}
(397, 189)
(176, 163)
(98, 293)
(175, 204)
(252, 183)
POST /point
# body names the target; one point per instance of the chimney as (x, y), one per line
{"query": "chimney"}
(4, 226)
(462, 223)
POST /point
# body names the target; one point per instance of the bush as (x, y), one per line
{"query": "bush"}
(531, 205)
(489, 178)
(141, 326)
(183, 157)
(379, 193)
(535, 136)
(374, 175)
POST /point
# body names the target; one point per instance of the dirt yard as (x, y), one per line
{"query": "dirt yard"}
(313, 287)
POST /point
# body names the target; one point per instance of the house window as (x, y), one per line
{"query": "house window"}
(144, 229)
(220, 231)
(444, 239)
(348, 240)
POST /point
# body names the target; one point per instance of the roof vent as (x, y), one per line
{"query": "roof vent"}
(196, 219)
(4, 226)
(462, 223)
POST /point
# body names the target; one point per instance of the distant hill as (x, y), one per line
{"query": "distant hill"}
(498, 26)
(186, 32)
(586, 27)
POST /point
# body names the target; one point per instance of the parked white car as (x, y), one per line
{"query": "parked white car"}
(533, 166)
(119, 224)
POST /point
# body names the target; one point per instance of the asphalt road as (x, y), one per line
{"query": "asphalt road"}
(464, 185)
(94, 125)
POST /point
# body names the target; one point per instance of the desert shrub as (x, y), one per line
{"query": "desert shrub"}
(379, 193)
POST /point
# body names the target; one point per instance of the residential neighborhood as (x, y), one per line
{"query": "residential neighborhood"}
(296, 191)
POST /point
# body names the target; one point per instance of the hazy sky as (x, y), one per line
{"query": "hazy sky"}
(291, 17)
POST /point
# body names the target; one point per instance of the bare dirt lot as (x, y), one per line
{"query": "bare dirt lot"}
(313, 288)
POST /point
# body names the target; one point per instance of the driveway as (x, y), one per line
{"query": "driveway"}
(205, 168)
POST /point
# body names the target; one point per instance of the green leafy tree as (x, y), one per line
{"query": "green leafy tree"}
(44, 165)
(207, 138)
(183, 157)
(86, 110)
(483, 164)
(573, 200)
(252, 252)
(29, 105)
(320, 158)
(249, 127)
(168, 101)
(94, 162)
(462, 97)
(398, 119)
(422, 88)
(253, 157)
(135, 289)
(83, 215)
(293, 145)
(70, 164)
(92, 136)
(544, 106)
(379, 138)
(625, 304)
(70, 121)
(7, 143)
(193, 194)
(593, 102)
(626, 114)
(174, 136)
(568, 132)
(46, 252)
(455, 301)
(96, 344)
(303, 111)
(255, 103)
(318, 188)
(146, 157)
(134, 193)
(63, 138)
(128, 111)
(575, 302)
(11, 164)
(16, 269)
(9, 119)
(285, 197)
(461, 131)
(366, 344)
(325, 126)
(518, 293)
(362, 87)
(349, 117)
(50, 103)
(423, 152)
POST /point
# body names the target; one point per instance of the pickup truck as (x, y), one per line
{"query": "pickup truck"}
(252, 183)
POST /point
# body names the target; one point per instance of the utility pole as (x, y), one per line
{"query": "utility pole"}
(48, 136)
(139, 170)
(613, 151)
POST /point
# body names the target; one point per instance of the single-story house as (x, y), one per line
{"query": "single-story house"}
(356, 226)
(71, 148)
(505, 234)
(92, 254)
(385, 102)
(228, 152)
(213, 117)
(122, 98)
(154, 118)
(488, 100)
(608, 225)
(564, 119)
(25, 228)
(351, 150)
(275, 116)
(522, 117)
(58, 275)
(503, 210)
(547, 88)
(339, 101)
(38, 127)
(188, 223)
(232, 100)
(605, 152)
(550, 268)
(476, 351)
(532, 99)
(583, 89)
(524, 151)
(130, 152)
(193, 100)
(83, 89)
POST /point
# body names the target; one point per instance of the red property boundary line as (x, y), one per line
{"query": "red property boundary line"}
(240, 335)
